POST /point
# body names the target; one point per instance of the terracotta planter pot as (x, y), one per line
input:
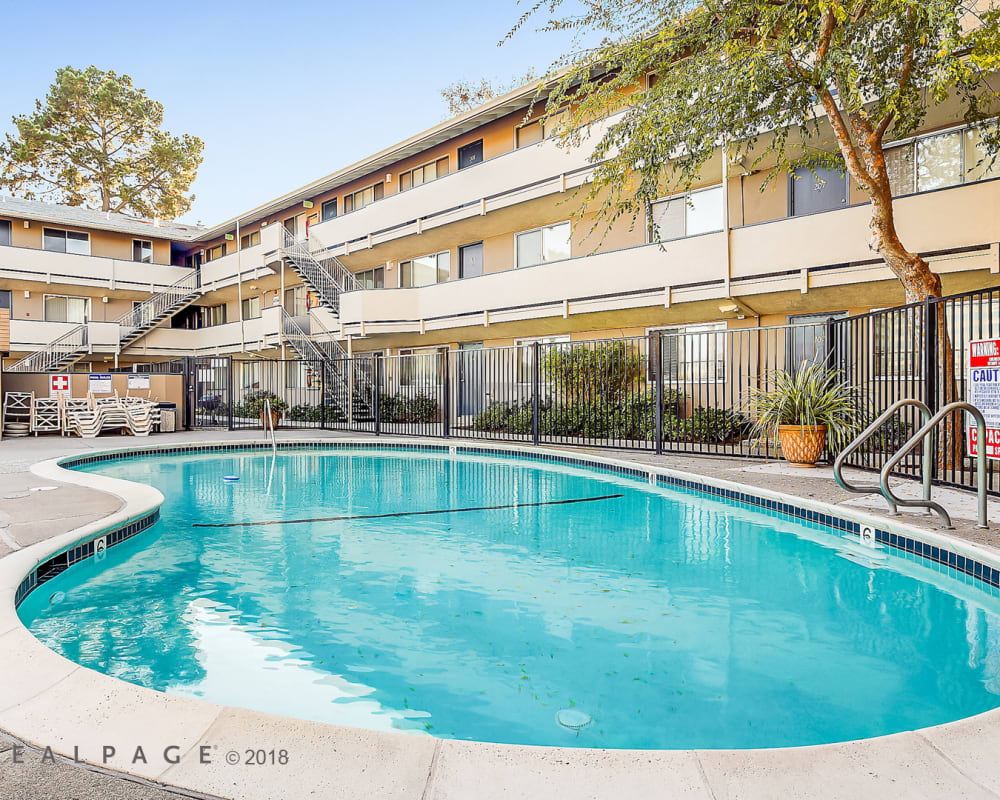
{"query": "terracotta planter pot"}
(802, 446)
(275, 418)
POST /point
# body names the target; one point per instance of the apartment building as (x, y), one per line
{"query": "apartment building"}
(460, 237)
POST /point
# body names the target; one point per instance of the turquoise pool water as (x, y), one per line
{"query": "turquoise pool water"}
(635, 617)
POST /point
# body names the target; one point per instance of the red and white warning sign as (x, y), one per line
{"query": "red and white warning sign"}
(983, 382)
(59, 386)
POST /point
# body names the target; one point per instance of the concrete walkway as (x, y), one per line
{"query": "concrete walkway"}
(30, 513)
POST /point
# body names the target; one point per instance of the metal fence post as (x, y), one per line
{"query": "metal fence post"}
(378, 396)
(536, 350)
(446, 416)
(656, 343)
(322, 395)
(930, 370)
(229, 392)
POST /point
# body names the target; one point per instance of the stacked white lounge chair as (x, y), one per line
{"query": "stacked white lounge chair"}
(133, 415)
(17, 413)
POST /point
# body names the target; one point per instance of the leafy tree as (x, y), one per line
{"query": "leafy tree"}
(96, 142)
(790, 83)
(463, 95)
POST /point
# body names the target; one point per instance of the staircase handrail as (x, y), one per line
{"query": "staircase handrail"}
(347, 280)
(152, 307)
(74, 340)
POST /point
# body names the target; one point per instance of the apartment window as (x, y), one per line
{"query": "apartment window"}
(196, 317)
(938, 160)
(694, 353)
(550, 243)
(5, 237)
(299, 375)
(213, 315)
(329, 209)
(299, 299)
(290, 225)
(142, 251)
(251, 307)
(424, 174)
(687, 214)
(5, 296)
(62, 308)
(421, 367)
(534, 132)
(426, 270)
(371, 278)
(249, 240)
(526, 353)
(363, 197)
(818, 189)
(212, 253)
(57, 241)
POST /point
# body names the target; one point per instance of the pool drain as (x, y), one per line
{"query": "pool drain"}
(573, 719)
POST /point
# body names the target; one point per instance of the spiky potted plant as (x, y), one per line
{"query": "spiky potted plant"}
(803, 410)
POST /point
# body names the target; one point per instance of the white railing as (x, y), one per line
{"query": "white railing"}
(58, 353)
(65, 349)
(150, 311)
(327, 276)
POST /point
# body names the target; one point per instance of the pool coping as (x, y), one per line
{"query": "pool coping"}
(47, 700)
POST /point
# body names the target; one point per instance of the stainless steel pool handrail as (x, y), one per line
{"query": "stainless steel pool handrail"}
(269, 421)
(865, 435)
(925, 432)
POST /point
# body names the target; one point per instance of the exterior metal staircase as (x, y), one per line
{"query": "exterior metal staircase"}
(69, 348)
(350, 387)
(325, 275)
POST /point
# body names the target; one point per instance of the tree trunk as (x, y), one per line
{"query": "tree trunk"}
(921, 284)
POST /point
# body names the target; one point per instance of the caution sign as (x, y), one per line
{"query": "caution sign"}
(59, 386)
(983, 382)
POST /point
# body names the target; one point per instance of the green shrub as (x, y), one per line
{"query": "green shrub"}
(716, 425)
(305, 413)
(253, 405)
(401, 408)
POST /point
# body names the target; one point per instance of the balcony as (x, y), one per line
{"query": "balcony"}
(261, 333)
(629, 278)
(518, 176)
(29, 264)
(35, 334)
(946, 219)
(958, 228)
(248, 263)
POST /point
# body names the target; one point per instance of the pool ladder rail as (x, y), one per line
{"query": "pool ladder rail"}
(925, 434)
(268, 422)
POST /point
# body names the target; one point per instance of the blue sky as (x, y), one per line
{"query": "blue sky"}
(281, 94)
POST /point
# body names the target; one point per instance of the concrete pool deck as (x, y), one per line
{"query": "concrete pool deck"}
(48, 701)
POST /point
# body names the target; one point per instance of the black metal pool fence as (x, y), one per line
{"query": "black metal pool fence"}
(675, 390)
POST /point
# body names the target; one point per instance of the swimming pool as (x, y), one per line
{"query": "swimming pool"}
(513, 600)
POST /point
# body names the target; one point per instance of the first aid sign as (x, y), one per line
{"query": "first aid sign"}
(59, 386)
(983, 391)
